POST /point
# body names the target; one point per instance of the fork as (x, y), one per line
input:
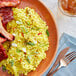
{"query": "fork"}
(64, 61)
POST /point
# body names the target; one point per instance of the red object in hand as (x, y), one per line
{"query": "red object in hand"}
(9, 3)
(3, 55)
(39, 33)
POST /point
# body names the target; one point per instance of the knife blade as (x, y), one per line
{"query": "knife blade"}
(61, 55)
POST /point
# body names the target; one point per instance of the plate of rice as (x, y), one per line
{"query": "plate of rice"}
(36, 40)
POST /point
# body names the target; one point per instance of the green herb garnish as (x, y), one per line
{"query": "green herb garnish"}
(37, 52)
(30, 43)
(12, 62)
(28, 59)
(28, 23)
(18, 50)
(47, 32)
(24, 30)
(3, 68)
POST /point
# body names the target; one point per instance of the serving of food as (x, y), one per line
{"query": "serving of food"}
(23, 38)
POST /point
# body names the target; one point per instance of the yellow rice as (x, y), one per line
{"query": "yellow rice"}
(28, 22)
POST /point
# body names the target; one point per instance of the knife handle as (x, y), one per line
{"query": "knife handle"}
(51, 74)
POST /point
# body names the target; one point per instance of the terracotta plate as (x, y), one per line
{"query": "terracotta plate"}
(46, 15)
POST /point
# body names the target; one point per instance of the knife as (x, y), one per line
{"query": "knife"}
(61, 55)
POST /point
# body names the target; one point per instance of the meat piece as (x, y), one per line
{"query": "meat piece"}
(9, 3)
(2, 40)
(3, 55)
(5, 33)
(6, 15)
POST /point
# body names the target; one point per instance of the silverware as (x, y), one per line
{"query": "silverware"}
(65, 61)
(61, 55)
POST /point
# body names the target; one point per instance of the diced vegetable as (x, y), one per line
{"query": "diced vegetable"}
(18, 22)
(40, 33)
(28, 23)
(13, 28)
(24, 49)
(24, 30)
(47, 32)
(35, 42)
(18, 50)
(30, 43)
(3, 68)
(37, 52)
(12, 62)
(28, 59)
(22, 34)
(20, 60)
(13, 44)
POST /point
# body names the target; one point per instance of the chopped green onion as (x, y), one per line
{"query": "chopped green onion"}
(47, 32)
(18, 50)
(18, 22)
(30, 43)
(24, 30)
(28, 59)
(37, 52)
(12, 62)
(28, 23)
(3, 68)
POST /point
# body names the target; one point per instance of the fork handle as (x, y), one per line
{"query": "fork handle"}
(51, 74)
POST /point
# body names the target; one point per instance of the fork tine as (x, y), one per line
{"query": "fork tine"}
(71, 60)
(73, 55)
(70, 57)
(66, 57)
(70, 53)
